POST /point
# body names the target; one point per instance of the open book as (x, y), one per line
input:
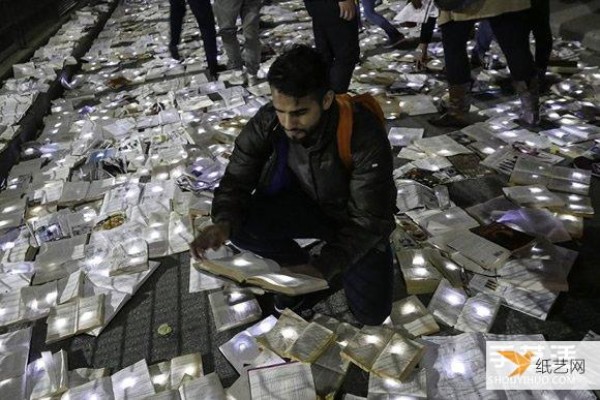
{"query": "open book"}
(253, 270)
(382, 351)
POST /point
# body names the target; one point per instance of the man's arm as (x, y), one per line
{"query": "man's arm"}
(252, 150)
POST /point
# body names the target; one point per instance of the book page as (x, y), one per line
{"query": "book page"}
(364, 348)
(447, 303)
(288, 283)
(206, 387)
(292, 381)
(232, 308)
(240, 266)
(479, 250)
(311, 343)
(398, 359)
(184, 367)
(132, 382)
(286, 331)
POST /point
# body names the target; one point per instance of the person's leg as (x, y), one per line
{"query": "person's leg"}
(273, 221)
(369, 286)
(177, 12)
(250, 14)
(483, 39)
(512, 32)
(377, 19)
(337, 40)
(227, 12)
(454, 39)
(315, 10)
(203, 12)
(427, 28)
(540, 24)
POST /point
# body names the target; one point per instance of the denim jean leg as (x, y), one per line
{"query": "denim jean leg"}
(227, 12)
(250, 14)
(377, 19)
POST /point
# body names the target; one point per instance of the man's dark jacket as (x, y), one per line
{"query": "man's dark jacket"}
(360, 200)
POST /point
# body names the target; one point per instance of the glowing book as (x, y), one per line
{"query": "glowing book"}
(383, 352)
(253, 270)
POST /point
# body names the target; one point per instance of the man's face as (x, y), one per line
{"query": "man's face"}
(300, 117)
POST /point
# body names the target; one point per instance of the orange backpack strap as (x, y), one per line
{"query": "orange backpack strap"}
(344, 130)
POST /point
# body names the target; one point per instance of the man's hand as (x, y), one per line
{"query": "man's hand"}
(417, 3)
(347, 10)
(211, 237)
(305, 269)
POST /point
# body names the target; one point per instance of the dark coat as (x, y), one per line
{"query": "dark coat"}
(361, 201)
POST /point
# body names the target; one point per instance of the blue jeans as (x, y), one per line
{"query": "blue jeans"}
(377, 19)
(273, 221)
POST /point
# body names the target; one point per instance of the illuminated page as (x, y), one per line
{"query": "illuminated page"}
(289, 283)
(398, 359)
(205, 387)
(292, 381)
(311, 343)
(415, 386)
(364, 348)
(487, 254)
(100, 388)
(232, 308)
(285, 332)
(132, 382)
(447, 303)
(243, 351)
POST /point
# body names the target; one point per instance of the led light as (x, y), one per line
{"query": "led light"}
(128, 382)
(86, 316)
(60, 323)
(457, 366)
(240, 262)
(408, 309)
(51, 297)
(535, 190)
(542, 198)
(482, 311)
(289, 333)
(418, 260)
(421, 271)
(160, 379)
(397, 349)
(453, 299)
(372, 339)
(234, 296)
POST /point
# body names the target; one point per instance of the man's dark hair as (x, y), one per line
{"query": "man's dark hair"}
(299, 72)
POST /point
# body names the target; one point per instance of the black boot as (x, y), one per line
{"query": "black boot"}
(174, 52)
(529, 94)
(457, 112)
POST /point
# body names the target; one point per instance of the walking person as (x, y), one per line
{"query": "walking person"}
(203, 13)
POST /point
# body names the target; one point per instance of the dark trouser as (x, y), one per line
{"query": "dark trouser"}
(540, 25)
(203, 12)
(337, 41)
(273, 221)
(427, 30)
(483, 38)
(377, 19)
(512, 33)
